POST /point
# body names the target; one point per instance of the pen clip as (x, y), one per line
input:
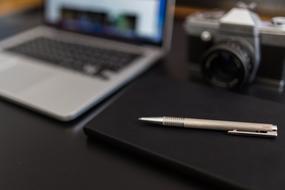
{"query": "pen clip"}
(250, 133)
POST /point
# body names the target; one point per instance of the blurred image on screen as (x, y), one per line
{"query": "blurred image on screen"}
(131, 19)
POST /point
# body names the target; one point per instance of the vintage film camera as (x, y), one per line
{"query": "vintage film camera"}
(233, 49)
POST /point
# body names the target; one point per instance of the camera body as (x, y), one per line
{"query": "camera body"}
(233, 49)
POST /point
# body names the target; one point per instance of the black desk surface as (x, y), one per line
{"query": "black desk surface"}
(40, 153)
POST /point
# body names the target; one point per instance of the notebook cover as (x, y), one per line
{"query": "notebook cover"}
(244, 162)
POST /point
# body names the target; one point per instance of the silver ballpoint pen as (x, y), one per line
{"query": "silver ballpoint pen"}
(235, 128)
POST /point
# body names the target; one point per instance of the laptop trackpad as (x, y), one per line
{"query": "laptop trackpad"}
(15, 78)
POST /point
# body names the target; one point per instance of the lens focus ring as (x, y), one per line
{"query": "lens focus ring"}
(228, 65)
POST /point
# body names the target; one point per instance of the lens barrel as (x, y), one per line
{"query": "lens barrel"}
(228, 65)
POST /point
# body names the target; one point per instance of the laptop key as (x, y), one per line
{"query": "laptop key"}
(90, 69)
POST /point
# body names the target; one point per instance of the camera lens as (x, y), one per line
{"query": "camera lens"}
(227, 65)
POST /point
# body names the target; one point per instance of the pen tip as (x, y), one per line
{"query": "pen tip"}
(142, 119)
(151, 119)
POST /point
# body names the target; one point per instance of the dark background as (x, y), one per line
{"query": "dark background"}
(268, 7)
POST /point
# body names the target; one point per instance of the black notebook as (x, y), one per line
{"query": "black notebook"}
(247, 162)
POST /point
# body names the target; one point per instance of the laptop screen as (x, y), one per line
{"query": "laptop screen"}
(132, 20)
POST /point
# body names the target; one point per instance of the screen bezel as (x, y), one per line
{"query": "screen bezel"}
(118, 38)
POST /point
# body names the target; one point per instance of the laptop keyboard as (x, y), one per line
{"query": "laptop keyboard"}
(85, 59)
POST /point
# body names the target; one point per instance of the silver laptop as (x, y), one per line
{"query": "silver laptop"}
(86, 50)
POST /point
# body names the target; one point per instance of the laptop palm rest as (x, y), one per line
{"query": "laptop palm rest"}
(18, 78)
(48, 89)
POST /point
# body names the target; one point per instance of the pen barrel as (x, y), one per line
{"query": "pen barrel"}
(218, 125)
(226, 125)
